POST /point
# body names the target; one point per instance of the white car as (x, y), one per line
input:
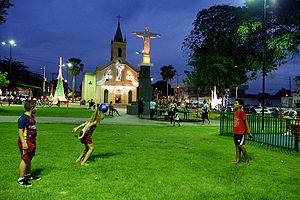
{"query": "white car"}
(266, 111)
(290, 113)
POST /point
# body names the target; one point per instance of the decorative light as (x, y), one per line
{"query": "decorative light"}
(131, 78)
(118, 89)
(106, 76)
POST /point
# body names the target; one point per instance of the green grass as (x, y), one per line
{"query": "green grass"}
(47, 111)
(131, 162)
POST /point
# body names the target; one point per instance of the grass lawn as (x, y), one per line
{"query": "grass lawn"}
(133, 162)
(47, 111)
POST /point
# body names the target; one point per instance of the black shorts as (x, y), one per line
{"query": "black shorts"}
(239, 139)
(204, 115)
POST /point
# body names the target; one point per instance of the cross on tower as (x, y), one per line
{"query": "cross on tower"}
(119, 17)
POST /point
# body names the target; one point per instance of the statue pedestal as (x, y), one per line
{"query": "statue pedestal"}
(144, 90)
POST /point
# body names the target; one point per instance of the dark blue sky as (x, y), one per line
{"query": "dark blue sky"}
(47, 29)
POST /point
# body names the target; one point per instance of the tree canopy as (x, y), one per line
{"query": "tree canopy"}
(21, 77)
(75, 68)
(4, 4)
(214, 55)
(167, 72)
(226, 45)
(3, 81)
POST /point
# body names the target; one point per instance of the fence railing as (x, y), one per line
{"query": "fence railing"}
(279, 132)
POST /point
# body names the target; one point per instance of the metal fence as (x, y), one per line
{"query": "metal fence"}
(279, 132)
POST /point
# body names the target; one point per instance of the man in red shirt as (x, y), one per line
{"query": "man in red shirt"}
(239, 130)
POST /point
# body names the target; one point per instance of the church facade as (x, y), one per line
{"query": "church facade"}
(116, 81)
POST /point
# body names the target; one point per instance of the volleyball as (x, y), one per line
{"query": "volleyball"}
(103, 107)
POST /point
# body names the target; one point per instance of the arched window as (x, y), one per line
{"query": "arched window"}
(119, 52)
(130, 96)
(106, 96)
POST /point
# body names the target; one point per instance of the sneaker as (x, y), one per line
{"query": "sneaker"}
(33, 177)
(24, 182)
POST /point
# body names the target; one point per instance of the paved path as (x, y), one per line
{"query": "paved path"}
(123, 119)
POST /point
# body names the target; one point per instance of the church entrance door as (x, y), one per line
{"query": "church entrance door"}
(118, 98)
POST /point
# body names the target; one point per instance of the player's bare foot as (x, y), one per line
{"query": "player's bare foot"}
(84, 164)
(236, 162)
(78, 160)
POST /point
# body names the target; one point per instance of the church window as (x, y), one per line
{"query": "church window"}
(130, 96)
(119, 52)
(106, 96)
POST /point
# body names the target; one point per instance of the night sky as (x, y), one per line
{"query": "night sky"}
(44, 30)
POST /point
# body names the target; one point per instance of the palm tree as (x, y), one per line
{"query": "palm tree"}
(74, 69)
(167, 73)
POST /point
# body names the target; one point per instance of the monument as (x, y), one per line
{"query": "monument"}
(59, 91)
(145, 88)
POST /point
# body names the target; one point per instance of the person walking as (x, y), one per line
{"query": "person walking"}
(241, 125)
(205, 112)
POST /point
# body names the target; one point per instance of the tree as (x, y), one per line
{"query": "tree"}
(3, 81)
(4, 4)
(214, 55)
(278, 34)
(297, 81)
(75, 68)
(167, 73)
(22, 77)
(226, 45)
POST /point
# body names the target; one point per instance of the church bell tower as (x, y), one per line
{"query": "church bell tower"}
(118, 46)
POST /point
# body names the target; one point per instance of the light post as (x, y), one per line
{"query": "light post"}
(140, 52)
(44, 80)
(263, 66)
(11, 44)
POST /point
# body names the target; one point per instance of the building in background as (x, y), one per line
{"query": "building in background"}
(116, 81)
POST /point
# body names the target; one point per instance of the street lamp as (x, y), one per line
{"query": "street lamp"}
(263, 66)
(44, 79)
(140, 52)
(11, 44)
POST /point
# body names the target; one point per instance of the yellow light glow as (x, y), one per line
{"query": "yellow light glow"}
(118, 89)
(146, 58)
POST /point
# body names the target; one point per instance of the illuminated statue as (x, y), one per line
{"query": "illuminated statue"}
(130, 77)
(106, 76)
(146, 36)
(119, 67)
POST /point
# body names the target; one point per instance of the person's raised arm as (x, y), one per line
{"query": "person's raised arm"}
(81, 125)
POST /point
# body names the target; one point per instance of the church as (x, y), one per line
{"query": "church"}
(117, 81)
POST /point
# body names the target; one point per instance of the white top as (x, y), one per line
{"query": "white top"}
(152, 105)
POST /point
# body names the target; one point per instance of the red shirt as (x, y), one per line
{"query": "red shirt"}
(239, 122)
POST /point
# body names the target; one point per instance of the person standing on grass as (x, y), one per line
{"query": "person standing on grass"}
(86, 134)
(205, 112)
(27, 143)
(241, 125)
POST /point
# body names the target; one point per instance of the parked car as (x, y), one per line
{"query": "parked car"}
(266, 111)
(249, 109)
(290, 113)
